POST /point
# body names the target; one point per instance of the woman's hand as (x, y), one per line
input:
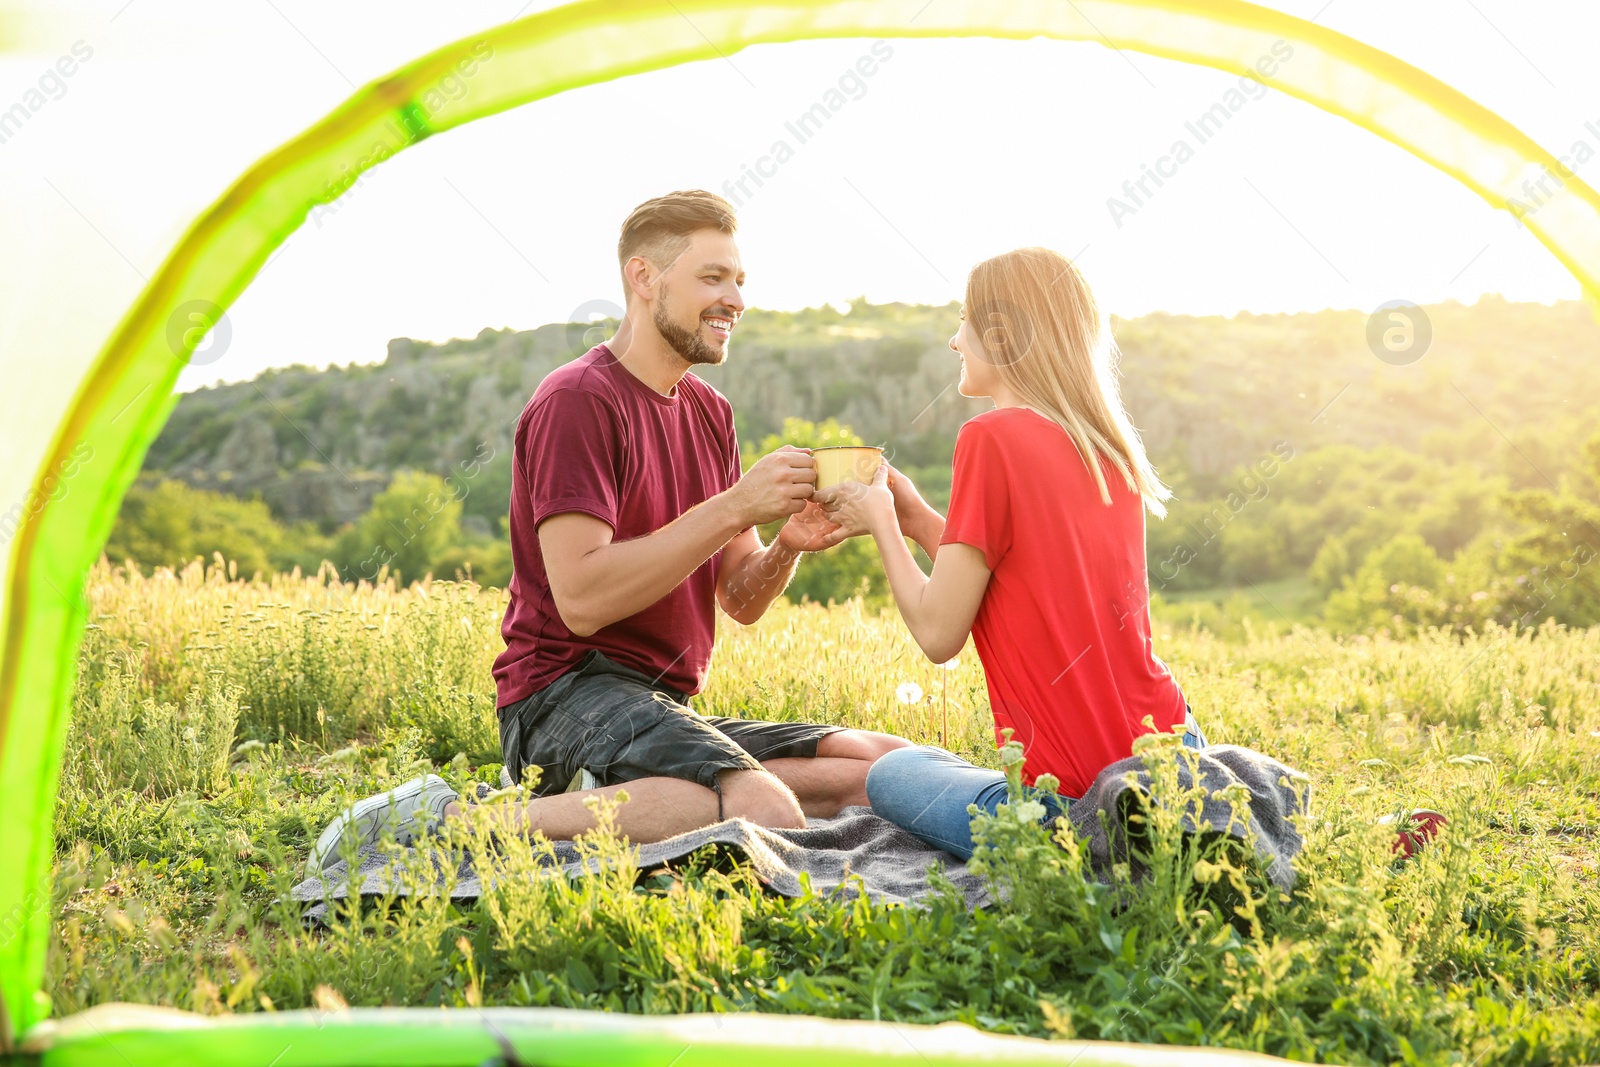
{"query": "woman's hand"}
(859, 509)
(917, 518)
(938, 610)
(909, 507)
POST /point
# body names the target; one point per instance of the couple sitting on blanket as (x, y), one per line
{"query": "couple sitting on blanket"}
(631, 522)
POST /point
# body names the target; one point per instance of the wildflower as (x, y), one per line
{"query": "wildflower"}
(1029, 811)
(952, 663)
(908, 692)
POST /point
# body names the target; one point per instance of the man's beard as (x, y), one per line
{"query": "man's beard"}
(687, 343)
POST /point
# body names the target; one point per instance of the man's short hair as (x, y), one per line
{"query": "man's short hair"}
(659, 229)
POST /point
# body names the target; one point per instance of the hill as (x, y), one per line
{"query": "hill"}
(1513, 387)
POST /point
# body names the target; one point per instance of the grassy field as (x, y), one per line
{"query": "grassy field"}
(219, 725)
(1223, 611)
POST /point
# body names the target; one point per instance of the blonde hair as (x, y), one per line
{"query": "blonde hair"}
(1044, 333)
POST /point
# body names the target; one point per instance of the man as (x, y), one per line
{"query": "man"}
(630, 521)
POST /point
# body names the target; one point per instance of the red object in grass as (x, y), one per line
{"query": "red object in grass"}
(1418, 827)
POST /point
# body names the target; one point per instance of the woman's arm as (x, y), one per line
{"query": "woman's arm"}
(937, 609)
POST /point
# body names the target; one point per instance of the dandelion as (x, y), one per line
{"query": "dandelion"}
(908, 692)
(951, 664)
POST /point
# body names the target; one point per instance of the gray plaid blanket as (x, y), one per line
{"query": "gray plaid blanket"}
(857, 852)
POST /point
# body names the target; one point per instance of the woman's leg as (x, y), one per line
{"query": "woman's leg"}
(1192, 736)
(926, 790)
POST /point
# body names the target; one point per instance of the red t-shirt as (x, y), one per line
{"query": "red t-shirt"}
(596, 439)
(1064, 627)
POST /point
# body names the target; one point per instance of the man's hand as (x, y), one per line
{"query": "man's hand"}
(776, 485)
(808, 531)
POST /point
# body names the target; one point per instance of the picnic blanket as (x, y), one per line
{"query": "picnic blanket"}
(1276, 793)
(858, 852)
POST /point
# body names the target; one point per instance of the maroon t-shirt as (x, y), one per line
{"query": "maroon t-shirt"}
(597, 440)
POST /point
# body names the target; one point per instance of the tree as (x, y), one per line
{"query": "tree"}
(1554, 566)
(412, 525)
(168, 523)
(488, 561)
(802, 433)
(1399, 586)
(1331, 565)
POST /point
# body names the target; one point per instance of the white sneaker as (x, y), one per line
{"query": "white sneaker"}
(421, 799)
(582, 780)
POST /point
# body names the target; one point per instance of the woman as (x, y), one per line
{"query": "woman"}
(1041, 559)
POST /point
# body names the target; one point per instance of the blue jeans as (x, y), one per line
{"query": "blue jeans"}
(925, 790)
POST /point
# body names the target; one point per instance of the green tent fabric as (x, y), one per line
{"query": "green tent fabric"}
(129, 1036)
(125, 394)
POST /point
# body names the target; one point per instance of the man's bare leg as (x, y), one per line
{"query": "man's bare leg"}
(824, 785)
(837, 777)
(659, 808)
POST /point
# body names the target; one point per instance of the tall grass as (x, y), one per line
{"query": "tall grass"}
(218, 725)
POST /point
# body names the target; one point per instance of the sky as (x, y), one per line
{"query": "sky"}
(950, 151)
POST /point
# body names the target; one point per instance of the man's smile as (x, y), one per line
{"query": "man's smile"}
(721, 325)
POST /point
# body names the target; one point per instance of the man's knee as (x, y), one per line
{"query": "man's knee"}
(760, 797)
(866, 745)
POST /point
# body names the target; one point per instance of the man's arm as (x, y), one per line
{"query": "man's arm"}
(597, 581)
(753, 574)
